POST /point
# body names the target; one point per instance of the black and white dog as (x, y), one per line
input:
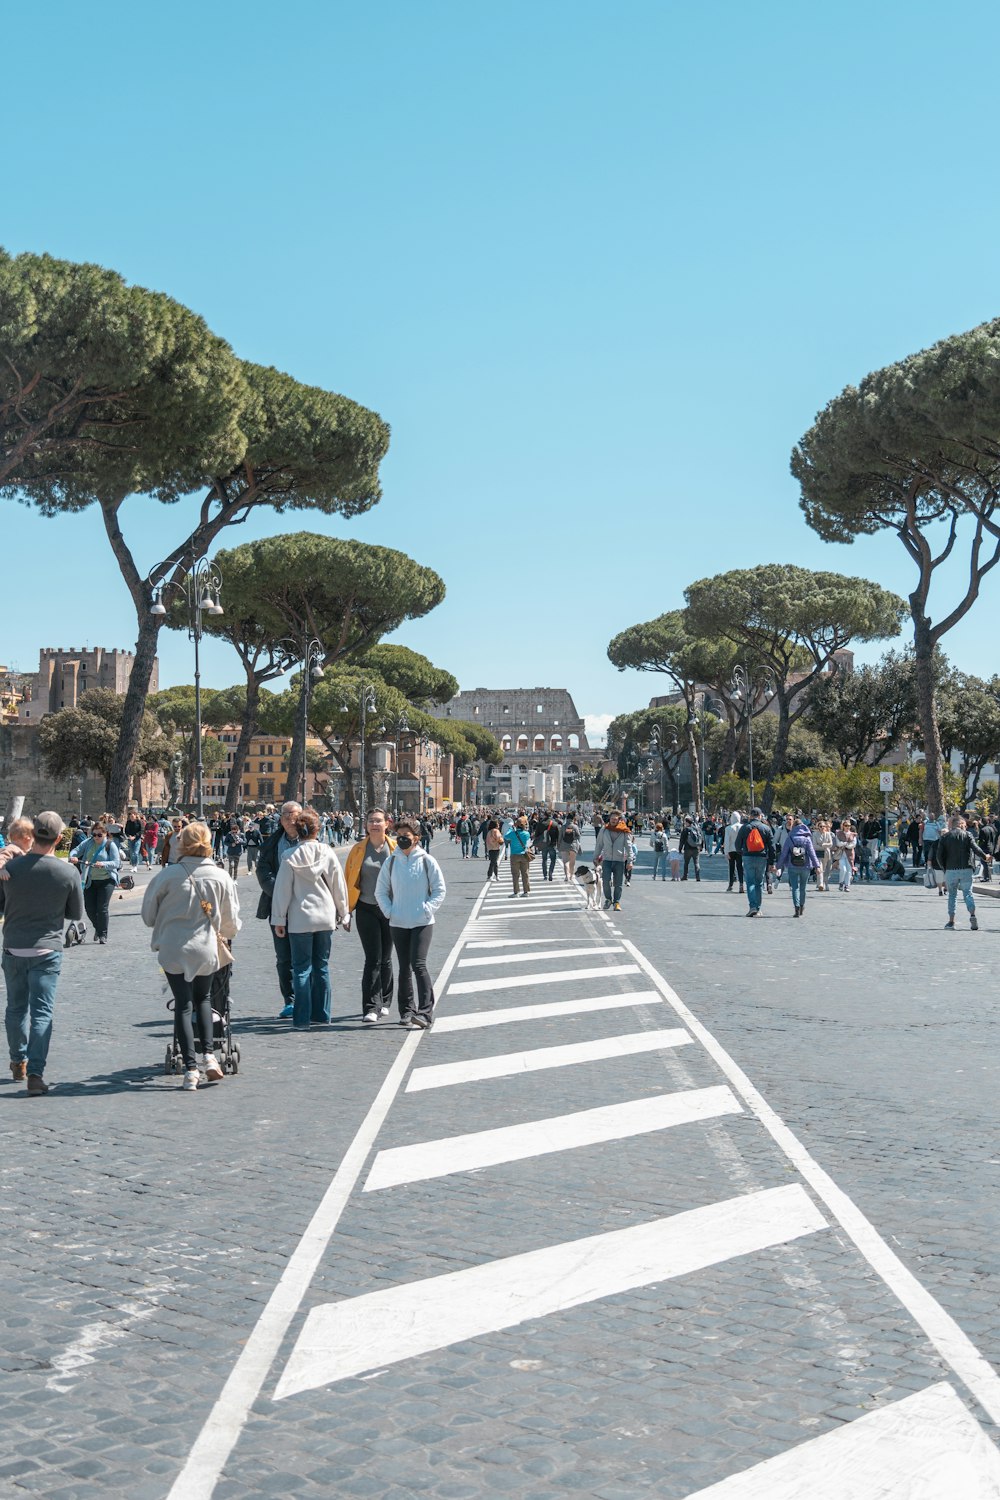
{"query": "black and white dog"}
(591, 885)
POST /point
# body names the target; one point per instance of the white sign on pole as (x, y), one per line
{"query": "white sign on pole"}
(886, 781)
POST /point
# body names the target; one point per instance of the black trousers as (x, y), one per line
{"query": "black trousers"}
(689, 856)
(376, 940)
(735, 870)
(412, 945)
(192, 996)
(96, 901)
(493, 856)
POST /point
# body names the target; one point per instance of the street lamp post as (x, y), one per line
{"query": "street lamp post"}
(202, 585)
(367, 707)
(312, 672)
(747, 685)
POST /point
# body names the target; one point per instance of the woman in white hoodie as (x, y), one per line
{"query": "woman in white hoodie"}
(309, 902)
(410, 888)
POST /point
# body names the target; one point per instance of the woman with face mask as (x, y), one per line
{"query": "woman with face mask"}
(409, 890)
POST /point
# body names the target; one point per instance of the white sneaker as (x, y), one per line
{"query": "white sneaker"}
(212, 1067)
(370, 1016)
(190, 1079)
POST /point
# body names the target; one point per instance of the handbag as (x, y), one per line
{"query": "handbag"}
(127, 883)
(223, 951)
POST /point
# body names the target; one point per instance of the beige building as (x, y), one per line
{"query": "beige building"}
(66, 672)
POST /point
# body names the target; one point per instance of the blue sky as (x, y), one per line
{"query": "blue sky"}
(597, 265)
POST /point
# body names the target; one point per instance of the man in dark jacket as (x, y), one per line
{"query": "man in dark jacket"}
(689, 844)
(955, 850)
(755, 845)
(38, 895)
(277, 846)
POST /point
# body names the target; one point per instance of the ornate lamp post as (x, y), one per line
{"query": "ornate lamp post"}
(202, 587)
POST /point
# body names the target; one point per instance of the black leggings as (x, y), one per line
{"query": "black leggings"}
(191, 994)
(96, 900)
(412, 945)
(492, 873)
(376, 940)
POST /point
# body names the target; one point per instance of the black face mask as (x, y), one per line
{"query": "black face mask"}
(404, 842)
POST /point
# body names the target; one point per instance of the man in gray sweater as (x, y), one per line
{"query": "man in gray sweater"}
(38, 895)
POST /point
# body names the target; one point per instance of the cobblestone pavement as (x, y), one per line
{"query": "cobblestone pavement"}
(666, 1196)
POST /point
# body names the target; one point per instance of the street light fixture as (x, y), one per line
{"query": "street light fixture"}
(748, 685)
(202, 589)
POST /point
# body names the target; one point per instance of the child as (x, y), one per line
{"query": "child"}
(675, 864)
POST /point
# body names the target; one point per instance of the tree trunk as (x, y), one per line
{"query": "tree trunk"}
(692, 750)
(672, 781)
(923, 655)
(120, 779)
(727, 760)
(247, 731)
(297, 753)
(780, 750)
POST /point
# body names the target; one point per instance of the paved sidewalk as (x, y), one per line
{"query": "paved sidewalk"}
(570, 1250)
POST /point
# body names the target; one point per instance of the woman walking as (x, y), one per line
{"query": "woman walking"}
(823, 844)
(494, 844)
(364, 866)
(659, 844)
(518, 841)
(309, 901)
(99, 863)
(845, 844)
(189, 905)
(150, 839)
(798, 856)
(409, 890)
(569, 846)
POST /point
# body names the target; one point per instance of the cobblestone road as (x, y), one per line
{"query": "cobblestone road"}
(672, 1204)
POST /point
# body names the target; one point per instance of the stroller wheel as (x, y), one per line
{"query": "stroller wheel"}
(168, 1065)
(234, 1061)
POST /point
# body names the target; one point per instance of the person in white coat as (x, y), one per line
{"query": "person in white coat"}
(188, 905)
(309, 903)
(409, 890)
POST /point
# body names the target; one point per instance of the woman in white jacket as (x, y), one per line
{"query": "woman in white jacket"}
(410, 889)
(187, 904)
(309, 902)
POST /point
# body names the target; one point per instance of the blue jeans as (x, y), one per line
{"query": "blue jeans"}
(283, 961)
(550, 853)
(956, 880)
(613, 876)
(797, 882)
(466, 846)
(660, 857)
(134, 846)
(31, 997)
(310, 976)
(475, 847)
(754, 866)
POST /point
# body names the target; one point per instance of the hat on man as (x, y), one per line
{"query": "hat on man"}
(48, 827)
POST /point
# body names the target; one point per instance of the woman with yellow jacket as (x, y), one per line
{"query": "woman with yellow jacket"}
(364, 863)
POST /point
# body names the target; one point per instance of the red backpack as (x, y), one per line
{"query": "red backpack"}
(755, 841)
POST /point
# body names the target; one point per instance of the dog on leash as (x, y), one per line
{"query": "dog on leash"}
(588, 879)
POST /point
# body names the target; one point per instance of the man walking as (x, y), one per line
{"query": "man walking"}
(611, 853)
(690, 846)
(955, 850)
(755, 846)
(38, 895)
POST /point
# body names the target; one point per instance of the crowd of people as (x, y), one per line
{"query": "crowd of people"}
(390, 887)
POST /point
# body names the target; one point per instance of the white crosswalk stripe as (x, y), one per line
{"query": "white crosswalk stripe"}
(586, 1127)
(508, 1064)
(546, 1011)
(523, 958)
(380, 1328)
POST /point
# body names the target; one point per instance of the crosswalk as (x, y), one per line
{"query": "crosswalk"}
(598, 976)
(615, 1026)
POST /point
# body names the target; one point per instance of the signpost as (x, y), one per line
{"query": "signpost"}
(886, 784)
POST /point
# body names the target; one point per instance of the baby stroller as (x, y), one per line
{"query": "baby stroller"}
(223, 1045)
